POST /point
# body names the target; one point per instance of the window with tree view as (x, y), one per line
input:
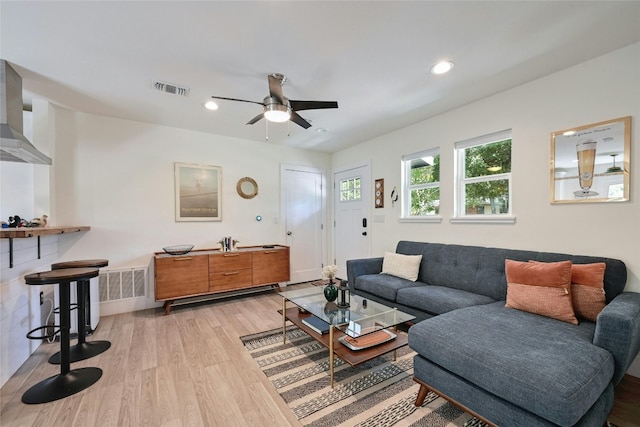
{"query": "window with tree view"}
(484, 175)
(421, 184)
(350, 189)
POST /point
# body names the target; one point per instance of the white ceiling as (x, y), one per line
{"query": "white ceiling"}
(372, 57)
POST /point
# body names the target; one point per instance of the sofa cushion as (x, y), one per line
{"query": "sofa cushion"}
(383, 285)
(403, 266)
(439, 299)
(468, 268)
(551, 368)
(541, 288)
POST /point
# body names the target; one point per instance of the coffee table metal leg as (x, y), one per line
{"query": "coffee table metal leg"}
(395, 352)
(331, 353)
(284, 320)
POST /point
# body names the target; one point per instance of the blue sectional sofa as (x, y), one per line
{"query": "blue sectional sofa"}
(509, 367)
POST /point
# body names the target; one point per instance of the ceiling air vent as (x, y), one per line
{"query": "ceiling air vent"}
(170, 88)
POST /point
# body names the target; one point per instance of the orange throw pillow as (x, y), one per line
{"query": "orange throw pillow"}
(541, 288)
(587, 289)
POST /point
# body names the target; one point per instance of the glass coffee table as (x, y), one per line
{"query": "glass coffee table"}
(363, 331)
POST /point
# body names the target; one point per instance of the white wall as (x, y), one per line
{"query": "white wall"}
(605, 88)
(16, 185)
(117, 176)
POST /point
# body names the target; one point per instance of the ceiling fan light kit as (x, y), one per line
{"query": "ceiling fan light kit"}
(279, 109)
(277, 112)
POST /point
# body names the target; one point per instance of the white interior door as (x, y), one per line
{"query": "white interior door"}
(352, 216)
(303, 210)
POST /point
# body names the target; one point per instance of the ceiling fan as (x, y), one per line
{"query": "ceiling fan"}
(278, 108)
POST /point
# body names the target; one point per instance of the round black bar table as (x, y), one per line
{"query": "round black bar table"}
(83, 349)
(67, 382)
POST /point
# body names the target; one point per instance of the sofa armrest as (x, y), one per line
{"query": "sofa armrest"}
(360, 267)
(618, 331)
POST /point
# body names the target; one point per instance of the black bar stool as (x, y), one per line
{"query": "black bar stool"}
(83, 349)
(67, 382)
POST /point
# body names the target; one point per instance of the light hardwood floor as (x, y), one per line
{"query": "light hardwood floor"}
(185, 369)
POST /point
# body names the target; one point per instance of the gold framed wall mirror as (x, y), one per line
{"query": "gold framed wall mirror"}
(591, 163)
(247, 188)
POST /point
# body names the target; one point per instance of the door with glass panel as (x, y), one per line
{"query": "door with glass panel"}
(352, 216)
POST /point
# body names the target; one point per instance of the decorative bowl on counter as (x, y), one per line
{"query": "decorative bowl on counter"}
(178, 249)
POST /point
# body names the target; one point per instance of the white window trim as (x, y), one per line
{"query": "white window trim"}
(430, 218)
(460, 182)
(405, 205)
(484, 219)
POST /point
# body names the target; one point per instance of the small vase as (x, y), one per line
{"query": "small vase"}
(331, 291)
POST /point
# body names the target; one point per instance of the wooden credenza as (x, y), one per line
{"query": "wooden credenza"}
(210, 271)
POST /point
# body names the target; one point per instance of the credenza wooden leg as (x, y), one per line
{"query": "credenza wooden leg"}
(167, 307)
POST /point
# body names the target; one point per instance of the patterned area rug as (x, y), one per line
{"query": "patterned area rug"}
(377, 393)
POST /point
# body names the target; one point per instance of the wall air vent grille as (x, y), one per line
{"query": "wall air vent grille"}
(123, 283)
(170, 88)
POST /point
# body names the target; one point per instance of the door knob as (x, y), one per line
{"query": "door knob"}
(289, 233)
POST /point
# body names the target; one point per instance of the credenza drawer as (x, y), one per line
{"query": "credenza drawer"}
(224, 280)
(230, 261)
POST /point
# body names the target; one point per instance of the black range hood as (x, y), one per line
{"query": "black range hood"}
(14, 146)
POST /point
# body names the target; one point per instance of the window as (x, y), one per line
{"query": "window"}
(616, 191)
(350, 189)
(421, 184)
(483, 177)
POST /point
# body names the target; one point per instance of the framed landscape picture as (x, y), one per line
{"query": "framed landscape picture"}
(198, 192)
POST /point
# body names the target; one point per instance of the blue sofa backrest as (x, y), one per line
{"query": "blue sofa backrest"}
(480, 270)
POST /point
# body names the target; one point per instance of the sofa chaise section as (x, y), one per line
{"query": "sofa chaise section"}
(552, 368)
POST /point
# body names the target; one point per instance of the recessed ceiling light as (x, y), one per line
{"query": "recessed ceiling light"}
(211, 105)
(442, 67)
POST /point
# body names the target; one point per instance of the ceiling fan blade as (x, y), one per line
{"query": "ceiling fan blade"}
(236, 99)
(255, 119)
(295, 118)
(312, 105)
(275, 89)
